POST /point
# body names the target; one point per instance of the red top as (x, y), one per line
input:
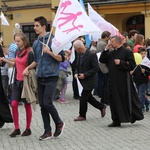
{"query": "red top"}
(136, 48)
(21, 64)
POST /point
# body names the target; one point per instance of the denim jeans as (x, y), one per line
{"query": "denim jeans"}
(46, 90)
(141, 91)
(148, 87)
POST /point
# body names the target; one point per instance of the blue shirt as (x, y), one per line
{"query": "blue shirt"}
(12, 50)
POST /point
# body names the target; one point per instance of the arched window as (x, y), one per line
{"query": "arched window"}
(137, 23)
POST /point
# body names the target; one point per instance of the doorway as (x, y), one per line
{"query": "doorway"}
(136, 22)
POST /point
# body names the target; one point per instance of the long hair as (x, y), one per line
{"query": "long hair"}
(139, 39)
(24, 39)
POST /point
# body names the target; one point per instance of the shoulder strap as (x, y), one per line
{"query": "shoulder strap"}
(12, 75)
(30, 57)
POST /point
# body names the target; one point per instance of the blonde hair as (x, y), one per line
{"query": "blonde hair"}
(23, 38)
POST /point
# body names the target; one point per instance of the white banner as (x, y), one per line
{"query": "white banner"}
(71, 21)
(4, 20)
(80, 87)
(101, 23)
(145, 62)
(72, 56)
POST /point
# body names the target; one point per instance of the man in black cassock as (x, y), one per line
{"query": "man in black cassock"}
(5, 114)
(124, 100)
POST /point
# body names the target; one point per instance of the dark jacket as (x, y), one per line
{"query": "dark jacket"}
(5, 113)
(89, 67)
(139, 77)
(124, 101)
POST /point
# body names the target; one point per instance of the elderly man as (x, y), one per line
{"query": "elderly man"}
(86, 69)
(124, 101)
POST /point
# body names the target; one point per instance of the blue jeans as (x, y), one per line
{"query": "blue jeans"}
(141, 91)
(46, 90)
(148, 88)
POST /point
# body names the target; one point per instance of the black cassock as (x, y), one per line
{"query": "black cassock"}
(5, 113)
(124, 101)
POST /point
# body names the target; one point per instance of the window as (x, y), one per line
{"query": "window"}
(137, 23)
(28, 30)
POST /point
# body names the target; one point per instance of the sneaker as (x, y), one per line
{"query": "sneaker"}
(61, 101)
(148, 93)
(59, 129)
(46, 136)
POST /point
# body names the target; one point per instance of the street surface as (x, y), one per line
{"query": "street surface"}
(92, 134)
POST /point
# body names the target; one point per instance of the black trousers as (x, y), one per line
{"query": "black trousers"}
(86, 97)
(74, 84)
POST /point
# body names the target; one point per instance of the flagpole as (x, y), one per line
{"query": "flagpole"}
(87, 40)
(135, 68)
(48, 39)
(49, 35)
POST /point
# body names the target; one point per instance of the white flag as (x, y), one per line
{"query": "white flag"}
(71, 21)
(145, 62)
(101, 22)
(72, 56)
(4, 20)
(80, 87)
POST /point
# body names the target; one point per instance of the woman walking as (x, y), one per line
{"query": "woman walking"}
(21, 62)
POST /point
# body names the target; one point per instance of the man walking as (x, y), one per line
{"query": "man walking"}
(86, 69)
(124, 101)
(47, 76)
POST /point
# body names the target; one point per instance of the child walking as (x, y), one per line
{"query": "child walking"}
(140, 76)
(63, 78)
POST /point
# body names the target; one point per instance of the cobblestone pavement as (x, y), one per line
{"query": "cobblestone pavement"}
(92, 134)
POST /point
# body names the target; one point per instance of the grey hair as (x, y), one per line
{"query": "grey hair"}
(78, 44)
(117, 38)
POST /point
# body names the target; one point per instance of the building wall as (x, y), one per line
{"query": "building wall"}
(117, 14)
(23, 17)
(120, 13)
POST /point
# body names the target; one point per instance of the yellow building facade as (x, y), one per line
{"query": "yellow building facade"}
(124, 16)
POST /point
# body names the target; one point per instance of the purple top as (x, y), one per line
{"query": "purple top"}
(64, 65)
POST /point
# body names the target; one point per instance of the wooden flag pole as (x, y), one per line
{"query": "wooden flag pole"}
(47, 40)
(49, 36)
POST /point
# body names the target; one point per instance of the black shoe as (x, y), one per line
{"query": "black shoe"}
(15, 132)
(27, 132)
(103, 111)
(80, 118)
(1, 124)
(113, 124)
(59, 129)
(46, 136)
(133, 120)
(76, 97)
